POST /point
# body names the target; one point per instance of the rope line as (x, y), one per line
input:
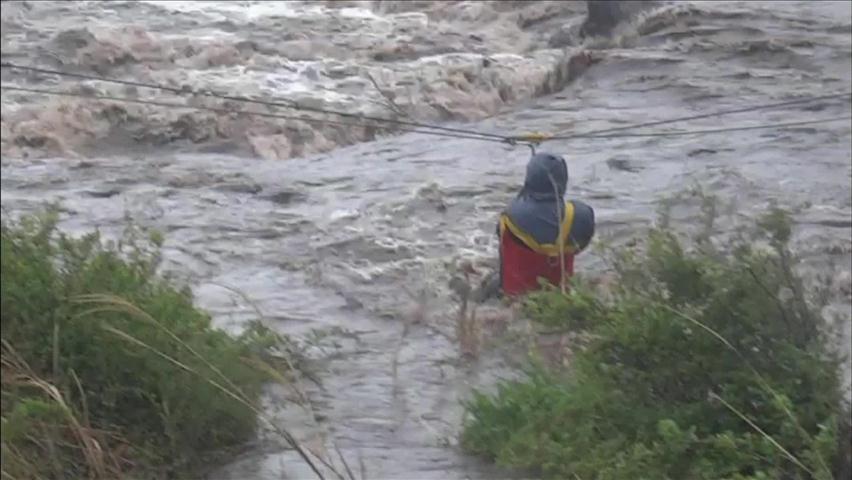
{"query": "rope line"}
(721, 130)
(241, 112)
(426, 132)
(289, 104)
(528, 139)
(718, 113)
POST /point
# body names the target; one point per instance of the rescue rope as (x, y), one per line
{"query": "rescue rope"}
(529, 139)
(281, 104)
(718, 113)
(240, 112)
(720, 130)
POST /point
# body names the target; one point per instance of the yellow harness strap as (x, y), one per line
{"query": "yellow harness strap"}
(549, 249)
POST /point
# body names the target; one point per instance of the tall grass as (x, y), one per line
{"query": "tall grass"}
(109, 370)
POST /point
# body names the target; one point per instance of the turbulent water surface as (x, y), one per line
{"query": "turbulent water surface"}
(351, 244)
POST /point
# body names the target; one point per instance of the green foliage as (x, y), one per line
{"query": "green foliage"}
(701, 365)
(573, 310)
(127, 352)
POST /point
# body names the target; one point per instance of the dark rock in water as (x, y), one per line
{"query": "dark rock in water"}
(74, 39)
(226, 26)
(701, 151)
(311, 73)
(103, 193)
(240, 187)
(285, 197)
(83, 165)
(623, 164)
(247, 46)
(604, 15)
(564, 37)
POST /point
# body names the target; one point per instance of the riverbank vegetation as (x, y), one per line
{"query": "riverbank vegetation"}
(700, 362)
(108, 369)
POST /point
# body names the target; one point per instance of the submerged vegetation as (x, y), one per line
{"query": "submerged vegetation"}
(109, 369)
(699, 363)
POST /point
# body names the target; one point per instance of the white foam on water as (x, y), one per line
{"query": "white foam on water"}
(362, 13)
(344, 214)
(254, 10)
(248, 10)
(282, 83)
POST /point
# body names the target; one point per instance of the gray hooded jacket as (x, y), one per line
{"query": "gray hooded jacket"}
(539, 208)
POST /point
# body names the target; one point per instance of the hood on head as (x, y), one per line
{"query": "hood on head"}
(544, 172)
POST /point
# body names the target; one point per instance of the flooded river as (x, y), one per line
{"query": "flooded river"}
(351, 244)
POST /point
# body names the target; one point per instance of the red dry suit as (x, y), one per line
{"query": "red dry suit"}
(534, 226)
(521, 267)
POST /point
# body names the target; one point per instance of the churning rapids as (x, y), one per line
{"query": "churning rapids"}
(347, 235)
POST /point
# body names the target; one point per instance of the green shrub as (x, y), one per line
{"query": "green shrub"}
(573, 310)
(97, 347)
(701, 365)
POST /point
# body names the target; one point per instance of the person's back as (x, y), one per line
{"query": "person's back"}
(539, 232)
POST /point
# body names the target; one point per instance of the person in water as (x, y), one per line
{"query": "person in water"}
(540, 233)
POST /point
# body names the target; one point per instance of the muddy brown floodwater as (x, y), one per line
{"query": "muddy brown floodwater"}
(323, 236)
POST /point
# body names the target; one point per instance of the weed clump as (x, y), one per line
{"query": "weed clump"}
(703, 364)
(107, 367)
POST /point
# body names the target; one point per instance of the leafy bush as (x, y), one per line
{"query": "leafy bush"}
(699, 365)
(109, 368)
